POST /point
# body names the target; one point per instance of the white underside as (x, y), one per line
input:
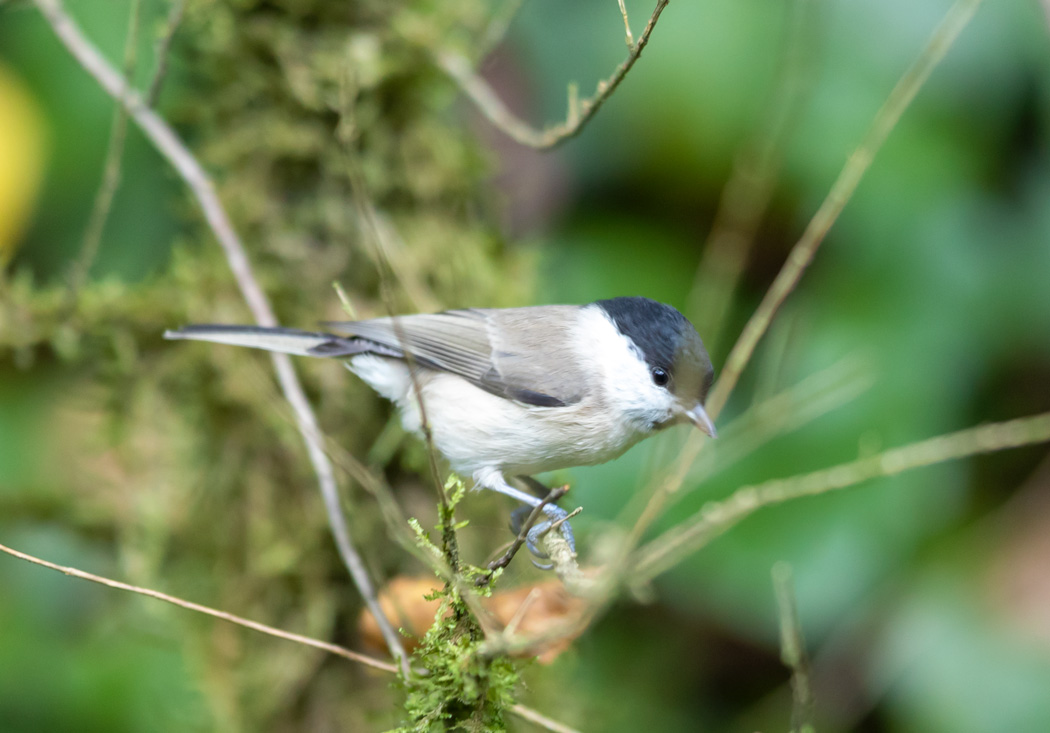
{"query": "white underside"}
(488, 436)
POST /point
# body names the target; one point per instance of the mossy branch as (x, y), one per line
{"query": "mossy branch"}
(170, 146)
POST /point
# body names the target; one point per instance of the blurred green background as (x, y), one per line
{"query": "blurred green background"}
(925, 599)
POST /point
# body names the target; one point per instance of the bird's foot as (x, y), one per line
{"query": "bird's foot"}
(557, 520)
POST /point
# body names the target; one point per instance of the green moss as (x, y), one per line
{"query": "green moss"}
(459, 687)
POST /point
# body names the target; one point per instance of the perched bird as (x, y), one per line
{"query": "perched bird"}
(517, 391)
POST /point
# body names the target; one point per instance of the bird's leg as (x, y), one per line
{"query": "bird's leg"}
(494, 480)
(521, 521)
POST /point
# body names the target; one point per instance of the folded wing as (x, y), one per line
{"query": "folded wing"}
(521, 354)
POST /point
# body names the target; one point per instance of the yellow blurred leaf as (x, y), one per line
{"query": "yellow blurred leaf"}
(21, 159)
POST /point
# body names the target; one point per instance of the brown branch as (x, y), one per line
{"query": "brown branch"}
(206, 610)
(520, 710)
(802, 254)
(171, 147)
(580, 111)
(716, 517)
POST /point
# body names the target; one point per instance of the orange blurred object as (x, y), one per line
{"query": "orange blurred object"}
(534, 610)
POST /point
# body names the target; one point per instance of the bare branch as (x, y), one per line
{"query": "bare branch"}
(903, 93)
(168, 143)
(579, 114)
(520, 710)
(206, 610)
(789, 410)
(627, 26)
(715, 518)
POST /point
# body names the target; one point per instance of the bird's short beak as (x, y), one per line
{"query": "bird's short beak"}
(698, 416)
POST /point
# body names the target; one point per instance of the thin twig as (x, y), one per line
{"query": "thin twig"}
(904, 91)
(541, 720)
(559, 522)
(168, 143)
(563, 558)
(111, 170)
(521, 711)
(793, 650)
(523, 533)
(207, 610)
(498, 26)
(715, 518)
(627, 26)
(163, 49)
(816, 395)
(379, 237)
(495, 111)
(367, 211)
(802, 254)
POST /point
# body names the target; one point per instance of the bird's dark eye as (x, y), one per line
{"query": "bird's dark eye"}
(660, 377)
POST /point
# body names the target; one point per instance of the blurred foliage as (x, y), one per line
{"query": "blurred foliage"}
(21, 149)
(178, 467)
(191, 467)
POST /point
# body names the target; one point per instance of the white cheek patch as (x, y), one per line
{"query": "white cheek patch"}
(627, 385)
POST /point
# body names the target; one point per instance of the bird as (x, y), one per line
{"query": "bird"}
(509, 392)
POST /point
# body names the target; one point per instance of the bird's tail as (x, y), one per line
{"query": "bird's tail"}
(283, 340)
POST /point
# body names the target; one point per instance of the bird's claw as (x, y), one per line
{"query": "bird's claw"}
(535, 535)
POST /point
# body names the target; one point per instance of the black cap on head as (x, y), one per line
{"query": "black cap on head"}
(666, 340)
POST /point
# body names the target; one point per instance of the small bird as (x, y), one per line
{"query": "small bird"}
(517, 391)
